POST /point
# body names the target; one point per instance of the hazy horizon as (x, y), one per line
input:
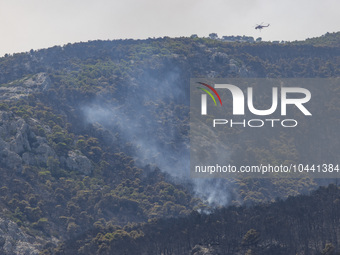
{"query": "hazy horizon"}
(41, 24)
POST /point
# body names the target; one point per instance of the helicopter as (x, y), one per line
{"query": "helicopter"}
(261, 26)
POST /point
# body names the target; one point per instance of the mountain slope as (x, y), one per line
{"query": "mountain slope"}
(96, 134)
(299, 225)
(328, 39)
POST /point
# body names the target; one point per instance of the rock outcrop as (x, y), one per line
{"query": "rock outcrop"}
(14, 241)
(78, 162)
(19, 146)
(22, 88)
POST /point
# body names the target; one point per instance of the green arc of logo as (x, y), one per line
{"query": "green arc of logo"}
(208, 92)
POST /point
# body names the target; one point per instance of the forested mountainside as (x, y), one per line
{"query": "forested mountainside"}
(328, 39)
(298, 225)
(94, 136)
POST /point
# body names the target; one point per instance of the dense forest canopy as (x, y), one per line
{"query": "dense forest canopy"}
(94, 147)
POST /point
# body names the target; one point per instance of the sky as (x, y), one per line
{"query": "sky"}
(36, 24)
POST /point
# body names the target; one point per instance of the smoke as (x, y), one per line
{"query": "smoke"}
(152, 115)
(150, 146)
(214, 191)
